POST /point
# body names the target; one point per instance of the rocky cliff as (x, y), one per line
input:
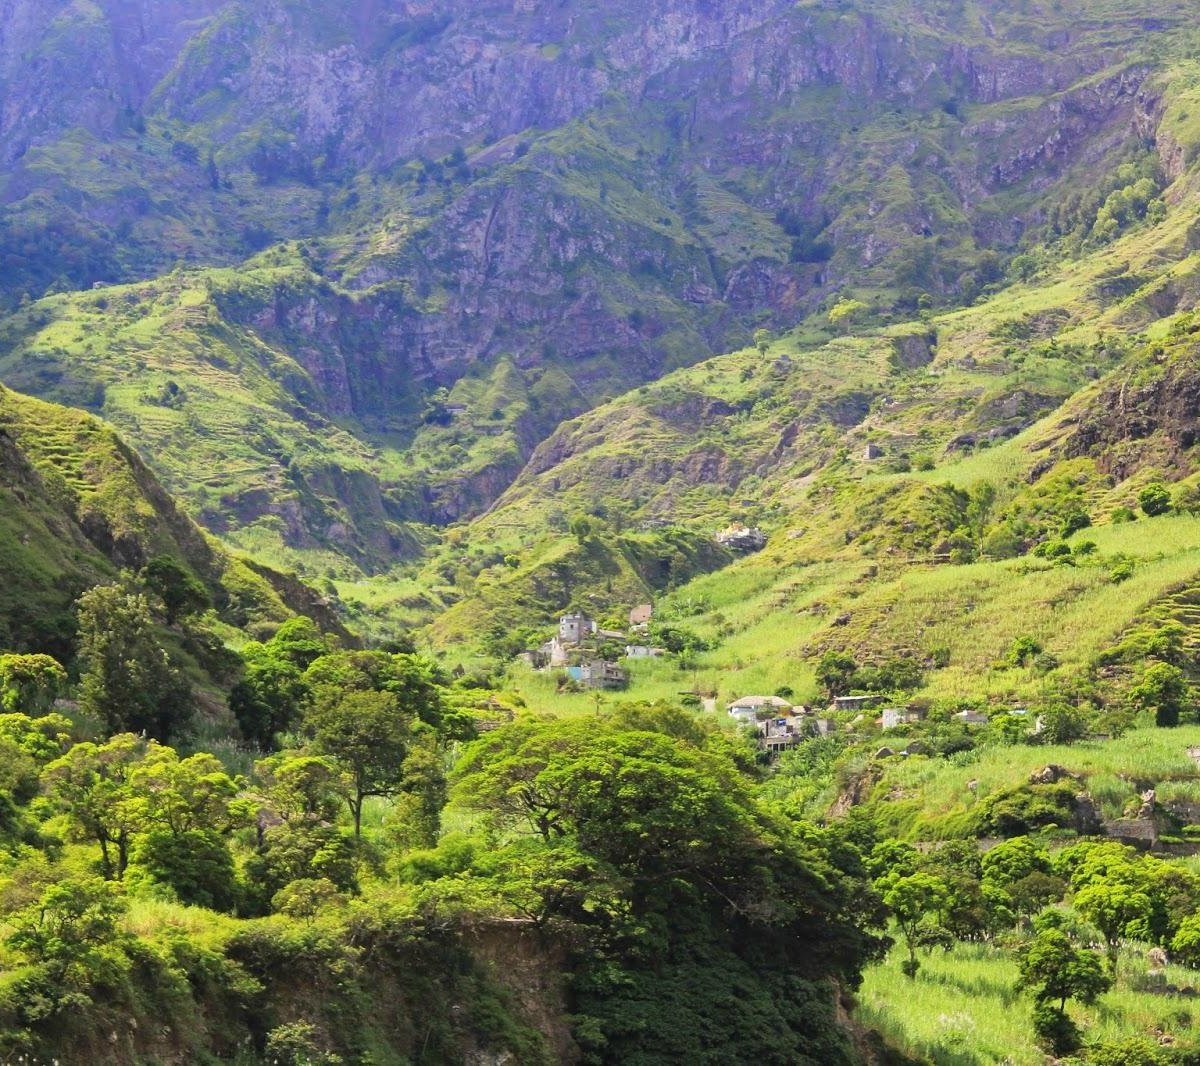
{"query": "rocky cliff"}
(590, 194)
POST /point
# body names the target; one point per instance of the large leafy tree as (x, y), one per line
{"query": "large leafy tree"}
(370, 736)
(1056, 971)
(375, 714)
(30, 683)
(175, 587)
(269, 698)
(91, 786)
(127, 680)
(73, 929)
(655, 848)
(673, 821)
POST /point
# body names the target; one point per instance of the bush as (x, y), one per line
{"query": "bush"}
(1154, 500)
(297, 1044)
(1020, 811)
(1023, 650)
(196, 865)
(1056, 1032)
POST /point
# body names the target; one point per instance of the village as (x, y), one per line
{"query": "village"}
(589, 658)
(587, 654)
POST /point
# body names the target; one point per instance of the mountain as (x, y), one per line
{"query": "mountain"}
(858, 339)
(564, 204)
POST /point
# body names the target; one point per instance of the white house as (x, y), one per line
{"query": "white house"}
(894, 717)
(747, 708)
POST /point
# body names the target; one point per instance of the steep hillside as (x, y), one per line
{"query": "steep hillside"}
(935, 488)
(541, 225)
(79, 506)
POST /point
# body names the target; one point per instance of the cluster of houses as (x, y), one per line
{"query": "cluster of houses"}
(583, 650)
(781, 725)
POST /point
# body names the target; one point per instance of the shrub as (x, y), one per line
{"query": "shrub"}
(1154, 500)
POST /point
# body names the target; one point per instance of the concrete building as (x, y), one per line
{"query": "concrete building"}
(574, 628)
(641, 615)
(747, 708)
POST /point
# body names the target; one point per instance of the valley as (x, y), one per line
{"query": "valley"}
(584, 533)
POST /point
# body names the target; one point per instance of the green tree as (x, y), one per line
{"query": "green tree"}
(1119, 910)
(414, 680)
(290, 853)
(1011, 860)
(914, 900)
(127, 680)
(29, 684)
(299, 641)
(298, 1044)
(1186, 499)
(90, 784)
(196, 865)
(1154, 500)
(1061, 723)
(268, 699)
(1056, 971)
(43, 739)
(845, 313)
(175, 587)
(302, 789)
(306, 898)
(1162, 688)
(835, 673)
(1185, 945)
(369, 735)
(73, 929)
(186, 795)
(1023, 650)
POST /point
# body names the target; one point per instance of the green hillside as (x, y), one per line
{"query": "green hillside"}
(422, 423)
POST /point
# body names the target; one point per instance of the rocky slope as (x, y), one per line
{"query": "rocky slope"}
(574, 197)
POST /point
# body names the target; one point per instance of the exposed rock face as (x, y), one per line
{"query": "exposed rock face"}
(602, 190)
(1155, 406)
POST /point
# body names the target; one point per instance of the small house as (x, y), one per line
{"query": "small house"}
(871, 452)
(551, 655)
(574, 628)
(597, 674)
(894, 717)
(748, 708)
(640, 616)
(642, 651)
(972, 718)
(779, 734)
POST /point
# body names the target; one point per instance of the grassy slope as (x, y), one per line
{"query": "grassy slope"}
(962, 1011)
(758, 436)
(78, 506)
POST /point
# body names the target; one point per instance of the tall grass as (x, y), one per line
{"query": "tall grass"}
(961, 1009)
